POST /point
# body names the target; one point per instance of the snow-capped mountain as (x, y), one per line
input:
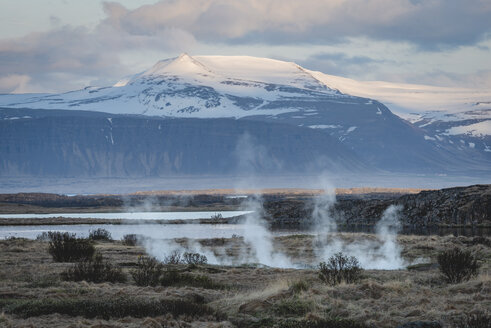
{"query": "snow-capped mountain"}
(200, 87)
(279, 94)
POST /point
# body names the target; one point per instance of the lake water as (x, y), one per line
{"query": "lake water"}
(157, 231)
(130, 215)
(164, 231)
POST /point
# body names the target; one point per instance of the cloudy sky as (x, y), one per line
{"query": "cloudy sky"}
(60, 45)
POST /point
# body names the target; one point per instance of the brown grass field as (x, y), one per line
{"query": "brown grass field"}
(246, 295)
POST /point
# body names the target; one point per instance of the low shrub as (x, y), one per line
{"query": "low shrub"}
(175, 278)
(130, 240)
(173, 258)
(189, 258)
(108, 307)
(217, 216)
(43, 236)
(457, 265)
(65, 247)
(100, 234)
(194, 258)
(339, 268)
(14, 238)
(147, 272)
(94, 269)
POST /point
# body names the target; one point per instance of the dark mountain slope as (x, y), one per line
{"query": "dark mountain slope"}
(53, 143)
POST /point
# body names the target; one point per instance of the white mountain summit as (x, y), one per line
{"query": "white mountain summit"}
(169, 88)
(243, 76)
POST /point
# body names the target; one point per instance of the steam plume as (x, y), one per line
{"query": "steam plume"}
(259, 238)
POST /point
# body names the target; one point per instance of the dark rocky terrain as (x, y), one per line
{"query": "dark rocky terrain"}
(453, 206)
(459, 206)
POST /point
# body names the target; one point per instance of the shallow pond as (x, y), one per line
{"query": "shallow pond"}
(157, 231)
(130, 215)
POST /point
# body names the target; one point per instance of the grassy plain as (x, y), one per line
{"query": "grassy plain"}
(32, 293)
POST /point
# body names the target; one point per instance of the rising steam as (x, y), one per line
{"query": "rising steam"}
(257, 243)
(258, 237)
(381, 253)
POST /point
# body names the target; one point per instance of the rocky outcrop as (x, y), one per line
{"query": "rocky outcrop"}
(459, 206)
(289, 213)
(468, 206)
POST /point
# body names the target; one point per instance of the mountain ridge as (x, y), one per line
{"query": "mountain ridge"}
(261, 91)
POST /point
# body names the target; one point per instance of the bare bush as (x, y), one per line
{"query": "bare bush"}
(43, 236)
(130, 240)
(194, 258)
(94, 270)
(339, 268)
(65, 247)
(173, 258)
(457, 265)
(100, 234)
(217, 216)
(147, 272)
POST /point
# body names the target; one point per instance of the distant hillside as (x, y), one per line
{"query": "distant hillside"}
(84, 144)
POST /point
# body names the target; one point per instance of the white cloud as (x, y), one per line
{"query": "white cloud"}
(78, 54)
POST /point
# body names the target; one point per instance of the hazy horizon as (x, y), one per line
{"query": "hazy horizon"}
(314, 181)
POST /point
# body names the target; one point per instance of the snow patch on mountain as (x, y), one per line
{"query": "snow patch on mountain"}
(415, 102)
(477, 130)
(325, 126)
(351, 129)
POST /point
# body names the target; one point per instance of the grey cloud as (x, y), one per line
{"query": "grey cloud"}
(73, 56)
(440, 24)
(337, 63)
(345, 59)
(431, 24)
(68, 55)
(62, 56)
